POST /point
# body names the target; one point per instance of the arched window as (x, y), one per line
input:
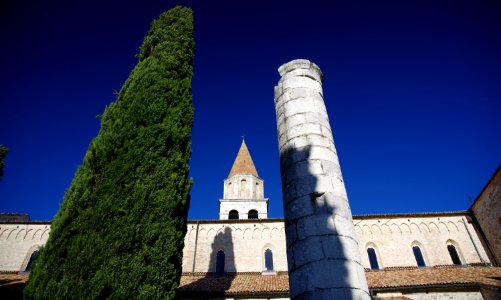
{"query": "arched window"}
(220, 261)
(33, 257)
(268, 260)
(253, 214)
(454, 254)
(233, 215)
(419, 256)
(373, 258)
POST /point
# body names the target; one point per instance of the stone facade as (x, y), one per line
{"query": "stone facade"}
(432, 233)
(486, 211)
(460, 295)
(322, 249)
(244, 243)
(18, 241)
(247, 241)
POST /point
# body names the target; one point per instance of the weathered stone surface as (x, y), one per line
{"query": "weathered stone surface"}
(298, 208)
(316, 225)
(244, 245)
(305, 186)
(390, 235)
(340, 247)
(298, 64)
(487, 207)
(290, 191)
(313, 74)
(307, 251)
(302, 277)
(290, 230)
(295, 120)
(303, 169)
(325, 258)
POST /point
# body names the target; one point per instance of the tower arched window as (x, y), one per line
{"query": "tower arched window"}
(253, 214)
(373, 258)
(419, 256)
(454, 254)
(220, 261)
(268, 260)
(233, 215)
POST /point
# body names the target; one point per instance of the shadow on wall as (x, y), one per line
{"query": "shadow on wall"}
(221, 270)
(222, 258)
(320, 236)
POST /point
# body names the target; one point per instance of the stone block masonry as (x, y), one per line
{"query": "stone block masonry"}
(322, 248)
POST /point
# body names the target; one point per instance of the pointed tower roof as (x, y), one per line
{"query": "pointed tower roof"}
(243, 163)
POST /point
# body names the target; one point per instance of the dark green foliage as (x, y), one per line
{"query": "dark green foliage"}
(3, 154)
(119, 233)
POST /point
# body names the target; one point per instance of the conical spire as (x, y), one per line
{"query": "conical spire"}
(243, 163)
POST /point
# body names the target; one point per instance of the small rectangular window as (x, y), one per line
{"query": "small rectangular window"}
(419, 256)
(454, 255)
(268, 260)
(220, 257)
(373, 259)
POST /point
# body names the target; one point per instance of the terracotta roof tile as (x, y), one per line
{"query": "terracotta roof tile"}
(236, 283)
(439, 275)
(243, 163)
(256, 283)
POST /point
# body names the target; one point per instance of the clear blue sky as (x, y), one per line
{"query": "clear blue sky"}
(412, 89)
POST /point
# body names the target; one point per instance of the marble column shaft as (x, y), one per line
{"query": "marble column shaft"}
(322, 249)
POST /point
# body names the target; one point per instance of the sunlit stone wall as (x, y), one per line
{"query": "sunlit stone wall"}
(243, 242)
(387, 234)
(18, 241)
(393, 238)
(487, 211)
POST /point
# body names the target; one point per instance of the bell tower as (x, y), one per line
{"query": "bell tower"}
(243, 196)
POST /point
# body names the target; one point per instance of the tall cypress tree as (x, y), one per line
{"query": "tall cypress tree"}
(3, 154)
(119, 233)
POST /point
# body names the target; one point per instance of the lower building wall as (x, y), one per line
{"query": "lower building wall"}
(18, 242)
(491, 292)
(243, 244)
(470, 295)
(432, 235)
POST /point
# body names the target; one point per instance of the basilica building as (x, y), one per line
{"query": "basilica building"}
(242, 255)
(447, 255)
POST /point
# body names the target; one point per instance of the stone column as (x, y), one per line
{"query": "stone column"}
(322, 248)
